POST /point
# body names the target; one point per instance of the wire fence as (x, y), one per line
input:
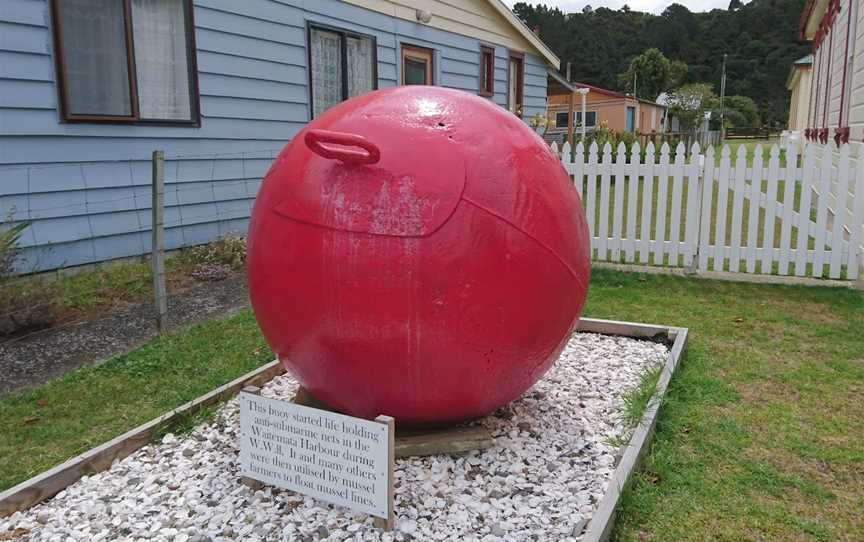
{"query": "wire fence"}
(84, 213)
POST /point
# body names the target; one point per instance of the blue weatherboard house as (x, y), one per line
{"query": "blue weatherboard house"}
(90, 88)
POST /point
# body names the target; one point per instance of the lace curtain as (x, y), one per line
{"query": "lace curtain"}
(94, 54)
(360, 61)
(161, 60)
(327, 69)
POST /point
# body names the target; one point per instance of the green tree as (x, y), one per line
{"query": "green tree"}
(652, 73)
(739, 112)
(760, 38)
(689, 104)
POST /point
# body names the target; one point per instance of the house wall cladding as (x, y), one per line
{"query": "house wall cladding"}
(856, 112)
(837, 96)
(85, 188)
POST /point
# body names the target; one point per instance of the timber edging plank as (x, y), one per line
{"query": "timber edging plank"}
(447, 441)
(602, 522)
(56, 479)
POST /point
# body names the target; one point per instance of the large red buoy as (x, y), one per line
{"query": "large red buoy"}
(417, 252)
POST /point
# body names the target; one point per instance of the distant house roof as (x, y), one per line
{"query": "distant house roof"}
(663, 100)
(557, 84)
(803, 63)
(613, 93)
(600, 90)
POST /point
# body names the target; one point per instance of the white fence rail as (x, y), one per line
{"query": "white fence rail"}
(726, 215)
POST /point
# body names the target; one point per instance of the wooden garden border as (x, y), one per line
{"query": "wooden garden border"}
(100, 458)
(600, 526)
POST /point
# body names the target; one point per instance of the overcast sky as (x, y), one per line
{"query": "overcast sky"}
(653, 6)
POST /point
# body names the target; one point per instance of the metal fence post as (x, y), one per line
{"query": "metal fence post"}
(158, 246)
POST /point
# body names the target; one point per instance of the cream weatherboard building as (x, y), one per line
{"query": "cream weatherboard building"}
(836, 105)
(836, 108)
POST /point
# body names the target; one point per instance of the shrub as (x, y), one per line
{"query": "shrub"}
(26, 305)
(9, 248)
(216, 260)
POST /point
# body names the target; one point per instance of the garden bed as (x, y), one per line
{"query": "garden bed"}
(561, 454)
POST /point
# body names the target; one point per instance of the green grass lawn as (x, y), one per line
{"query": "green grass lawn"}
(759, 438)
(750, 145)
(45, 426)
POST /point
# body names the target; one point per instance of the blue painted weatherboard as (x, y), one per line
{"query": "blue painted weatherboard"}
(85, 188)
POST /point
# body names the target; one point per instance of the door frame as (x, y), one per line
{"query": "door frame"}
(519, 105)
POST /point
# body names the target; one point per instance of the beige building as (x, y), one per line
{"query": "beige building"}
(798, 83)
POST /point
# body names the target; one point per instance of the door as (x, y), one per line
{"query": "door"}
(631, 119)
(515, 83)
(416, 65)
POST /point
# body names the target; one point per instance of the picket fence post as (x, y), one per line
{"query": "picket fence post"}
(704, 242)
(695, 197)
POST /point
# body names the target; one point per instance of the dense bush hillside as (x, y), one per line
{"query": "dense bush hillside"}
(760, 38)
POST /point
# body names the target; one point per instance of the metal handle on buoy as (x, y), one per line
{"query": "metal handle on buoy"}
(321, 143)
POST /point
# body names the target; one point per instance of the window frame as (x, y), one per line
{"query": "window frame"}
(132, 73)
(487, 71)
(418, 50)
(343, 45)
(566, 119)
(520, 82)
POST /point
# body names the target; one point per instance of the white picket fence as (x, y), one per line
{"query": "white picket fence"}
(733, 218)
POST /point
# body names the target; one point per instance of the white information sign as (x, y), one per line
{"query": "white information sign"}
(332, 457)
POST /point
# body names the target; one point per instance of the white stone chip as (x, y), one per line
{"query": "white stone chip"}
(553, 456)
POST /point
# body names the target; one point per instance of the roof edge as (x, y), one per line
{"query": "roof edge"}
(810, 10)
(560, 78)
(526, 33)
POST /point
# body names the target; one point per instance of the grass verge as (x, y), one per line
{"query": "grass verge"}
(65, 298)
(759, 436)
(89, 406)
(636, 402)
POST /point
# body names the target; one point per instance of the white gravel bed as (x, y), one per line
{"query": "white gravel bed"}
(552, 459)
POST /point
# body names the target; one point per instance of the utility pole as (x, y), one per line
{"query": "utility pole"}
(722, 98)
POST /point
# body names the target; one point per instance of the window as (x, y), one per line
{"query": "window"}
(515, 82)
(125, 61)
(342, 65)
(416, 65)
(487, 71)
(590, 119)
(562, 120)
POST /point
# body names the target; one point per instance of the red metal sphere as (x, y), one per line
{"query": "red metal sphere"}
(417, 252)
